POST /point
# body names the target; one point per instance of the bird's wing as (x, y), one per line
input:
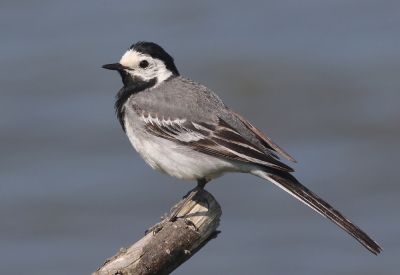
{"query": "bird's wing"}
(215, 137)
(263, 138)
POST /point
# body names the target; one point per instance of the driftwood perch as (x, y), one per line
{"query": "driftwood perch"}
(162, 252)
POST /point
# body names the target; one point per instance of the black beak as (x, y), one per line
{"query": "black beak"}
(115, 67)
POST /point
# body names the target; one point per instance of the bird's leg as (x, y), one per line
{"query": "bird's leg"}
(156, 228)
(200, 186)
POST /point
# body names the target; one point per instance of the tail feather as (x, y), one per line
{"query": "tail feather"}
(289, 183)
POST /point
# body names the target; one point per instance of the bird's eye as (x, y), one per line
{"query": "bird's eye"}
(144, 64)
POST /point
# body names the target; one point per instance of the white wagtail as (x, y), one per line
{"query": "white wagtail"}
(183, 129)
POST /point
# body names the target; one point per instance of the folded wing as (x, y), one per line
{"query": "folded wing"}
(263, 138)
(216, 138)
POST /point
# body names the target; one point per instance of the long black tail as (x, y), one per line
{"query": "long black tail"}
(289, 183)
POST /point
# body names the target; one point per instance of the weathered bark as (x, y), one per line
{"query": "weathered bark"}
(162, 252)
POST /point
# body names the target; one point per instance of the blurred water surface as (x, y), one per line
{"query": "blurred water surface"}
(320, 78)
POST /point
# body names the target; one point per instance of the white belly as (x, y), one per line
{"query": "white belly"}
(179, 161)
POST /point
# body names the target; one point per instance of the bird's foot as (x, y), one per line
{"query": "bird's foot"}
(158, 226)
(179, 207)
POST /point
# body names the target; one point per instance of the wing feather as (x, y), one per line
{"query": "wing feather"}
(263, 138)
(214, 138)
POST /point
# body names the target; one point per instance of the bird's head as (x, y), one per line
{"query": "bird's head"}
(144, 62)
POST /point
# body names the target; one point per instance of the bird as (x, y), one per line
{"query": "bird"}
(183, 129)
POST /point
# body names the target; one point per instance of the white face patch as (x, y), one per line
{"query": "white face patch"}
(155, 69)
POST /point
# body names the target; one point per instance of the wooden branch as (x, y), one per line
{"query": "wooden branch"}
(162, 252)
